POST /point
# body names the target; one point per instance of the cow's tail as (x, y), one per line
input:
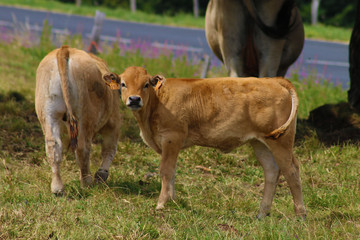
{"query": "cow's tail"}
(282, 23)
(294, 107)
(62, 57)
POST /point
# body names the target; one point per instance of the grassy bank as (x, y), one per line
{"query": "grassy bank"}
(184, 20)
(319, 32)
(217, 204)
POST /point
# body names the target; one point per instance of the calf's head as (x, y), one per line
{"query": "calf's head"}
(136, 86)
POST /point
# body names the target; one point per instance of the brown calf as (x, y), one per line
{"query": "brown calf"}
(222, 113)
(70, 91)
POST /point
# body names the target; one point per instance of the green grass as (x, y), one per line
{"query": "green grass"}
(184, 20)
(221, 204)
(319, 32)
(328, 33)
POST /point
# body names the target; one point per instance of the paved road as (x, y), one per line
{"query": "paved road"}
(325, 58)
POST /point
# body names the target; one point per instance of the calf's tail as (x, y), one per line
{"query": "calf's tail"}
(62, 57)
(294, 106)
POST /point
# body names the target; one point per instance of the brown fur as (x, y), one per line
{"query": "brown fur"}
(236, 28)
(222, 113)
(69, 83)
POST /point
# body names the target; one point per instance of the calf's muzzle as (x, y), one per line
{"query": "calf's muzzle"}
(134, 102)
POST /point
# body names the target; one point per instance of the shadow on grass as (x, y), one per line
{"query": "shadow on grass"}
(20, 133)
(333, 123)
(147, 189)
(73, 191)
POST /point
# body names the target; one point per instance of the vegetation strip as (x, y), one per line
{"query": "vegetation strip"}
(318, 32)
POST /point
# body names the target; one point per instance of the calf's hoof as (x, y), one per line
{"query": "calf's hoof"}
(58, 193)
(302, 216)
(57, 188)
(160, 206)
(300, 211)
(101, 175)
(262, 215)
(86, 181)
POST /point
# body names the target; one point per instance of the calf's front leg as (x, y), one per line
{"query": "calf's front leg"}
(170, 152)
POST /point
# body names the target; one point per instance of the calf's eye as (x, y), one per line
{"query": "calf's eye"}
(146, 85)
(123, 85)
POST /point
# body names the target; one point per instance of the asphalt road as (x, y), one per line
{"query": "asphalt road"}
(325, 59)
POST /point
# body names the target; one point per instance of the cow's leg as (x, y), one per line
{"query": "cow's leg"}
(289, 167)
(83, 159)
(51, 129)
(232, 55)
(271, 53)
(228, 21)
(282, 71)
(170, 152)
(271, 172)
(234, 66)
(108, 150)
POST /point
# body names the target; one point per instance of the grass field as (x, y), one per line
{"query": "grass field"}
(319, 32)
(217, 204)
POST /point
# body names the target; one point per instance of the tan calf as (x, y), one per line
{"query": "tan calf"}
(222, 113)
(70, 91)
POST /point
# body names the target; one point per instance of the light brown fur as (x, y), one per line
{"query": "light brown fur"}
(222, 113)
(70, 90)
(234, 35)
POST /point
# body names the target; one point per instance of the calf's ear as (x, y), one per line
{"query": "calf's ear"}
(112, 80)
(157, 80)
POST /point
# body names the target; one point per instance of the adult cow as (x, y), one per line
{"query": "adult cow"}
(221, 113)
(260, 38)
(70, 91)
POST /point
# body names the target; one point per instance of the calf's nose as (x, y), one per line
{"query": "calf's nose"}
(134, 99)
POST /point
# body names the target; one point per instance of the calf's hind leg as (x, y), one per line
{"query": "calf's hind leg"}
(108, 150)
(289, 167)
(271, 172)
(83, 159)
(51, 129)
